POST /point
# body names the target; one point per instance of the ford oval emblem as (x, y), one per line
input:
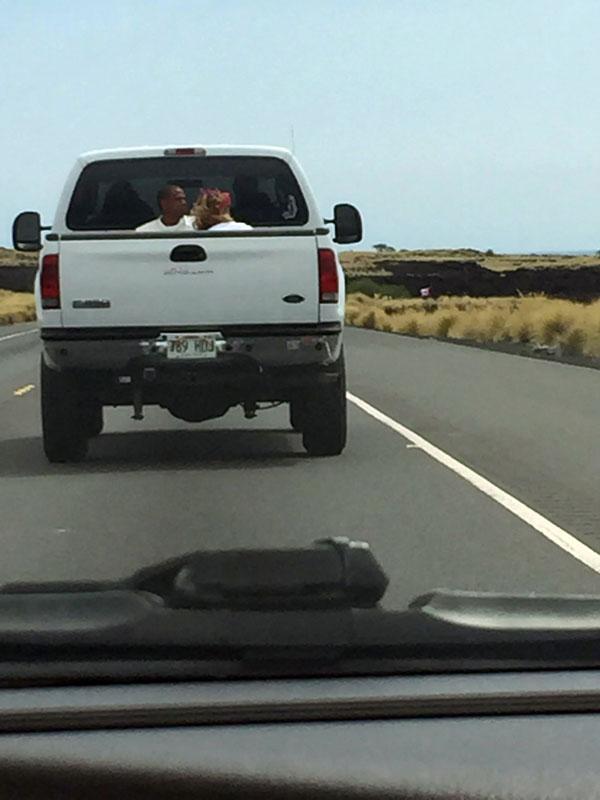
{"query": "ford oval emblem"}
(293, 298)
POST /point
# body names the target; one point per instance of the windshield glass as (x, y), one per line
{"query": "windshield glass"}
(269, 278)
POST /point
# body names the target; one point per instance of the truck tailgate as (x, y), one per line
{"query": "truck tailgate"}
(135, 281)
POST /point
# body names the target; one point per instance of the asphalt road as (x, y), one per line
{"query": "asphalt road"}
(157, 488)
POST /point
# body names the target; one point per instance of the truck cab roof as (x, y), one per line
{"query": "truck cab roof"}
(154, 151)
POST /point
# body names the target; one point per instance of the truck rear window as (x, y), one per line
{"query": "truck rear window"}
(120, 194)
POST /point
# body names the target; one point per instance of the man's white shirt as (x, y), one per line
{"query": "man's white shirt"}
(158, 226)
(186, 223)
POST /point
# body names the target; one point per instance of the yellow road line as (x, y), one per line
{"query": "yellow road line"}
(23, 390)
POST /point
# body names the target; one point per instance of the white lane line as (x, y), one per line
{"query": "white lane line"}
(566, 541)
(15, 335)
(24, 390)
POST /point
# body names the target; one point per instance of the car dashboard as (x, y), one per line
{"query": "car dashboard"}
(483, 735)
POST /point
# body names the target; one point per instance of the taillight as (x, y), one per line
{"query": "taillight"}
(50, 282)
(329, 287)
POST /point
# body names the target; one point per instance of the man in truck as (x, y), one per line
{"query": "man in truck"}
(174, 209)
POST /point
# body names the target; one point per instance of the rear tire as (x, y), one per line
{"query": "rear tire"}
(324, 430)
(93, 419)
(297, 413)
(63, 418)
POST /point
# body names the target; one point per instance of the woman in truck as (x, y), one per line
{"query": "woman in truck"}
(212, 212)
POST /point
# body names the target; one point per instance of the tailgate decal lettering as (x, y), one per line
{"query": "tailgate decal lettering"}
(91, 303)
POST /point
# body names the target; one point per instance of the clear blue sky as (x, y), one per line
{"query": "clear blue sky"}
(447, 122)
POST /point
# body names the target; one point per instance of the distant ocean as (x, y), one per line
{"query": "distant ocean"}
(567, 252)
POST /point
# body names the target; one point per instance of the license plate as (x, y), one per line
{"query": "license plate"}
(191, 345)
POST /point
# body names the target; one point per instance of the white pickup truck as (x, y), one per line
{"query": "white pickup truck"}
(196, 322)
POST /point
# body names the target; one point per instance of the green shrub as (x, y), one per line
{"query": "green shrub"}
(396, 290)
(363, 286)
(371, 287)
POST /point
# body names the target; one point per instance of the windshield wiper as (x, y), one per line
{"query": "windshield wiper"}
(258, 612)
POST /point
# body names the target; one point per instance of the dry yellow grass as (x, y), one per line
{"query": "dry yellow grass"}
(16, 307)
(535, 319)
(9, 257)
(368, 262)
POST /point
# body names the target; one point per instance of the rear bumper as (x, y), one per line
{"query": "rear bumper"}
(258, 349)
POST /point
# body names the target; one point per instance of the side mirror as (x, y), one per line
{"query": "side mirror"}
(348, 224)
(27, 232)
